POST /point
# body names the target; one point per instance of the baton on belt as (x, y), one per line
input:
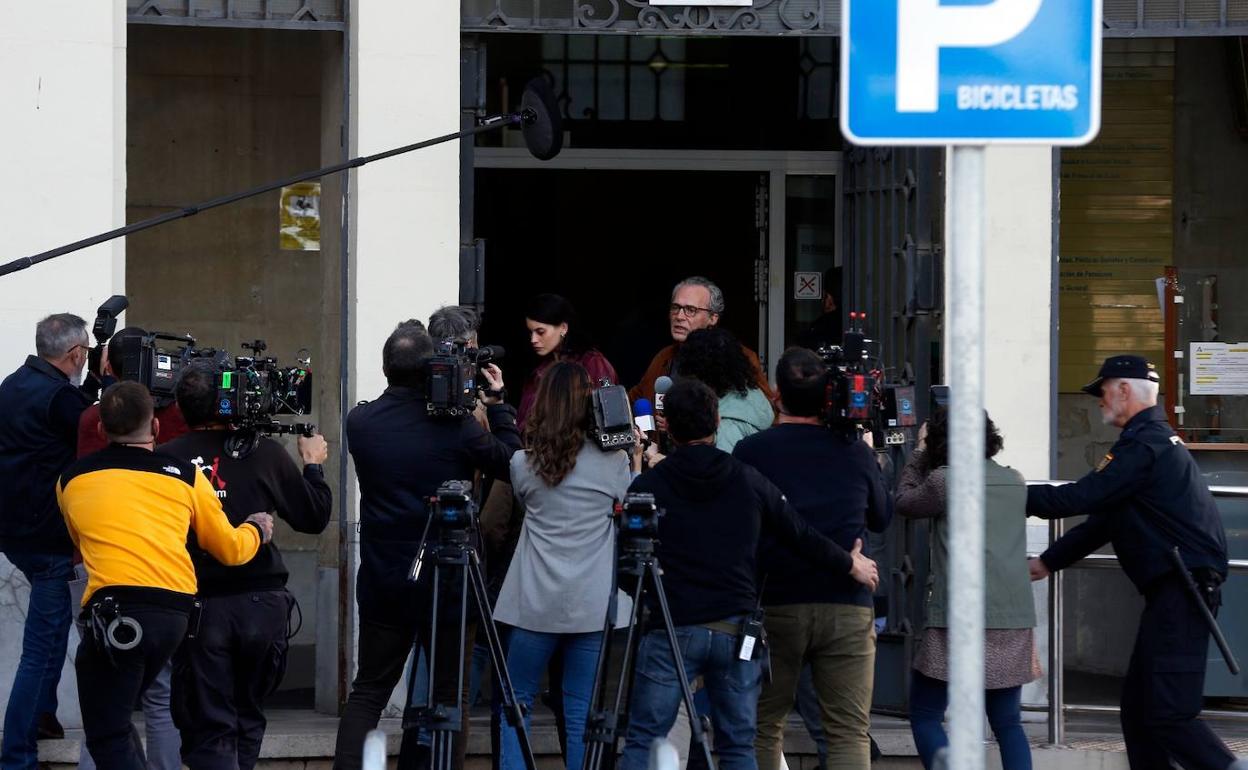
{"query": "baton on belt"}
(1210, 621)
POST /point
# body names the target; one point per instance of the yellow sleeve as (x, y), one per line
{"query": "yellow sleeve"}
(228, 544)
(60, 503)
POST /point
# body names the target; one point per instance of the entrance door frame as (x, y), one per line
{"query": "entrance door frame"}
(778, 165)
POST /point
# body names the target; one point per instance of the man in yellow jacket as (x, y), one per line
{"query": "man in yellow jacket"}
(128, 510)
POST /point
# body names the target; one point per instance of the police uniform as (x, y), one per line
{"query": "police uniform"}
(1147, 496)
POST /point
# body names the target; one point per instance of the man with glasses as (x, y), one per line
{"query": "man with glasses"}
(697, 303)
(40, 405)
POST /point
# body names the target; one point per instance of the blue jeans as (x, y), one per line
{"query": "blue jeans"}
(930, 697)
(528, 652)
(731, 684)
(44, 640)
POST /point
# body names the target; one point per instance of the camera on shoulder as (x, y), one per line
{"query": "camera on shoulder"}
(613, 417)
(451, 373)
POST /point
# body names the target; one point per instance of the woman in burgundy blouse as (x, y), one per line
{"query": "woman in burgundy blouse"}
(556, 335)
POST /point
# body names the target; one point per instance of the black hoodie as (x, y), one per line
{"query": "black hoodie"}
(716, 508)
(266, 480)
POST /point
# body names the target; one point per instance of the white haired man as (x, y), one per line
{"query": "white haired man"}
(1148, 497)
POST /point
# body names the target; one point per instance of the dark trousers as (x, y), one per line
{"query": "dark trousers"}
(222, 676)
(383, 650)
(109, 685)
(1163, 692)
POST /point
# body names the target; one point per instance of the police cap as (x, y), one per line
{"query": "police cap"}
(1122, 368)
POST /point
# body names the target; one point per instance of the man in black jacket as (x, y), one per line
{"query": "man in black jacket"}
(402, 455)
(834, 482)
(40, 405)
(1147, 497)
(716, 509)
(238, 654)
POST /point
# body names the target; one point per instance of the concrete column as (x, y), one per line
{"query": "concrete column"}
(404, 213)
(64, 92)
(1019, 340)
(1019, 306)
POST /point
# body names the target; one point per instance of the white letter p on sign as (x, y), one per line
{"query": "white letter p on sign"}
(925, 26)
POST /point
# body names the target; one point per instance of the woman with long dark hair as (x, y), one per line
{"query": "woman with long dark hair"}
(715, 357)
(560, 580)
(1010, 618)
(556, 334)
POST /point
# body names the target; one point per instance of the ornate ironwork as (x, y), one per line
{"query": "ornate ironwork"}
(272, 14)
(639, 17)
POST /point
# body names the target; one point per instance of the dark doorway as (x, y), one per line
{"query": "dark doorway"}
(614, 243)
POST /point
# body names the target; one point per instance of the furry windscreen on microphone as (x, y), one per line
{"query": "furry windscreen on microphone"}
(543, 126)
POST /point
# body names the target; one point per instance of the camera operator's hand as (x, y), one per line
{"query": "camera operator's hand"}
(494, 376)
(660, 422)
(313, 449)
(265, 522)
(921, 442)
(864, 570)
(654, 456)
(1037, 569)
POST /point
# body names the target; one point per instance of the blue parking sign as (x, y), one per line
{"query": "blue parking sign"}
(1007, 71)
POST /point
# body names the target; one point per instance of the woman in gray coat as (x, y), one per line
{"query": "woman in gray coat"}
(560, 581)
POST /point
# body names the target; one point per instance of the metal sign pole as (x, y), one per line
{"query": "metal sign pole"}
(966, 460)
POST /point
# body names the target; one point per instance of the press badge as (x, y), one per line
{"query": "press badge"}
(751, 632)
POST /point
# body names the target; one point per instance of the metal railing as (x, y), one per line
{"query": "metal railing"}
(1058, 708)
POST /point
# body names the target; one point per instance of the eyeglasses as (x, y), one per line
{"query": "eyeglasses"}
(688, 311)
(75, 347)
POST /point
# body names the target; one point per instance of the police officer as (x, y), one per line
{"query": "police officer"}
(1147, 496)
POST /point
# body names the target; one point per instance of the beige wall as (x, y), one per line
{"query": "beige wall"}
(63, 92)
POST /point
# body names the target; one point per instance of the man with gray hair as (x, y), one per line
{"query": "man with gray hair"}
(1147, 496)
(454, 322)
(40, 405)
(697, 303)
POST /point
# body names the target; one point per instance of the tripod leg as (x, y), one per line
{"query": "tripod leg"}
(696, 724)
(511, 707)
(446, 719)
(602, 734)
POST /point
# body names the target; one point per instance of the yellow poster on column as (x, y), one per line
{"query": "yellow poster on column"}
(300, 217)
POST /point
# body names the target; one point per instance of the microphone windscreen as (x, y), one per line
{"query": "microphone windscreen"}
(496, 351)
(662, 384)
(542, 129)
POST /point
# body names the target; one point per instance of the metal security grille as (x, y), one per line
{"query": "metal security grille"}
(765, 17)
(1122, 18)
(1175, 18)
(893, 235)
(264, 14)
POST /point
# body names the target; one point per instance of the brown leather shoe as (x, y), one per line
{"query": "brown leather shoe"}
(49, 728)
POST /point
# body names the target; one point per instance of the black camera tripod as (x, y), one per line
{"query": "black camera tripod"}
(453, 552)
(605, 725)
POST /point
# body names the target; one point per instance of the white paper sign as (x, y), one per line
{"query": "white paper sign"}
(1219, 368)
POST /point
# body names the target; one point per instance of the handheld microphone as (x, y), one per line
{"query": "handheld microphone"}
(661, 386)
(643, 415)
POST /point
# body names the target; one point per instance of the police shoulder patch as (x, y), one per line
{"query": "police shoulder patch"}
(1105, 461)
(1176, 440)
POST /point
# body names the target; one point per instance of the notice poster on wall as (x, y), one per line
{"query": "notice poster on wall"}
(299, 220)
(1219, 368)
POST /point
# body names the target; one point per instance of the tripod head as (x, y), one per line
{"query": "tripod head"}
(637, 525)
(452, 517)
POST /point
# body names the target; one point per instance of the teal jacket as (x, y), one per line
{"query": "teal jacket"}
(1007, 584)
(741, 416)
